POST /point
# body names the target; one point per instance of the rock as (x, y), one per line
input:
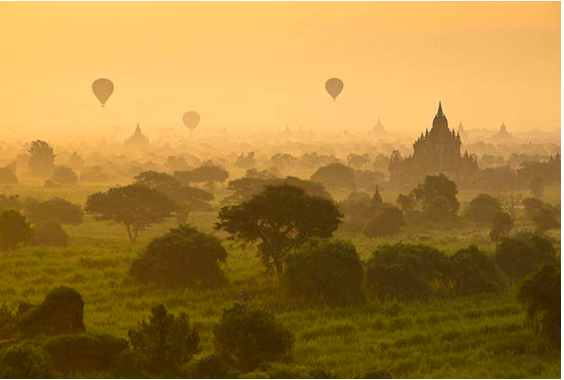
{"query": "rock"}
(60, 313)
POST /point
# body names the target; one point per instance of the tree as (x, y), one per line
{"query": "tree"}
(406, 203)
(358, 161)
(546, 218)
(245, 338)
(187, 198)
(511, 202)
(519, 255)
(474, 272)
(183, 256)
(10, 202)
(64, 175)
(134, 206)
(404, 271)
(540, 294)
(26, 361)
(437, 194)
(14, 230)
(49, 233)
(335, 175)
(204, 174)
(499, 180)
(532, 206)
(56, 208)
(502, 225)
(280, 218)
(326, 270)
(387, 221)
(7, 177)
(94, 174)
(166, 341)
(483, 209)
(42, 159)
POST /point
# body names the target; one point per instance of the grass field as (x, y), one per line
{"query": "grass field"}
(482, 336)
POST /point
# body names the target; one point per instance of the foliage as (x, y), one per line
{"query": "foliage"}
(166, 340)
(280, 218)
(406, 202)
(42, 159)
(546, 218)
(498, 180)
(356, 205)
(26, 361)
(536, 185)
(56, 208)
(540, 294)
(367, 179)
(14, 230)
(10, 202)
(7, 177)
(406, 271)
(135, 206)
(532, 205)
(483, 209)
(49, 233)
(474, 272)
(519, 255)
(8, 322)
(245, 338)
(326, 270)
(204, 173)
(387, 221)
(502, 225)
(437, 195)
(212, 367)
(183, 256)
(335, 175)
(64, 175)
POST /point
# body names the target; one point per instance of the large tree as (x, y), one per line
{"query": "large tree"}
(279, 218)
(135, 206)
(14, 230)
(42, 159)
(437, 195)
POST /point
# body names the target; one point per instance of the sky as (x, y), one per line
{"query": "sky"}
(264, 65)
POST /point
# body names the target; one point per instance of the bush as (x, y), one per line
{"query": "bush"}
(519, 255)
(540, 294)
(14, 230)
(502, 225)
(326, 270)
(183, 256)
(483, 209)
(546, 218)
(84, 352)
(212, 367)
(49, 233)
(532, 205)
(387, 221)
(56, 208)
(8, 322)
(26, 361)
(404, 271)
(246, 338)
(474, 272)
(166, 341)
(60, 313)
(64, 175)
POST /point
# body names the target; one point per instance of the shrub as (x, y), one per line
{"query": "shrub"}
(327, 270)
(540, 294)
(60, 313)
(49, 233)
(84, 352)
(246, 338)
(183, 256)
(26, 361)
(56, 208)
(502, 225)
(166, 341)
(546, 218)
(387, 221)
(64, 175)
(532, 205)
(212, 367)
(483, 209)
(406, 271)
(14, 230)
(474, 272)
(8, 322)
(518, 256)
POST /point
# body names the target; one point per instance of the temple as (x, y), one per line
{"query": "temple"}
(137, 140)
(435, 151)
(378, 128)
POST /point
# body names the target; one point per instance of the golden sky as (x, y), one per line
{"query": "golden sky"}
(265, 64)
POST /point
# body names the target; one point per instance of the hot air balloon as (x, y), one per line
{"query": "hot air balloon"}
(191, 120)
(334, 86)
(103, 89)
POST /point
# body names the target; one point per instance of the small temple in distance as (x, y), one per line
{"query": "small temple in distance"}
(137, 139)
(435, 151)
(378, 128)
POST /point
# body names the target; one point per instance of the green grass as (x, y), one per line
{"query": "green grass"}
(484, 336)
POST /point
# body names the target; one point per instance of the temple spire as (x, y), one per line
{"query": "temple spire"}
(440, 111)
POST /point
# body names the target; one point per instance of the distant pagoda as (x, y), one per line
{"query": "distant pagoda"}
(378, 128)
(137, 140)
(436, 151)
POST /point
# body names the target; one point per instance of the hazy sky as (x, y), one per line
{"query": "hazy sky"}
(265, 64)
